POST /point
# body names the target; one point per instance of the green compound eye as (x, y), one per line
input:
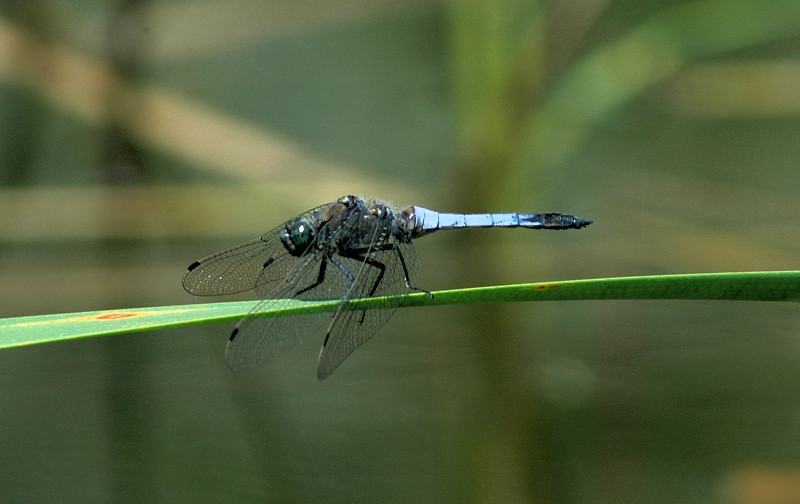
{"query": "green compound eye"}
(300, 233)
(297, 235)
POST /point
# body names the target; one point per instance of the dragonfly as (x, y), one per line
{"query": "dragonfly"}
(350, 249)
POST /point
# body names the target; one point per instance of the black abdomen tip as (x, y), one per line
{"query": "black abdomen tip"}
(579, 223)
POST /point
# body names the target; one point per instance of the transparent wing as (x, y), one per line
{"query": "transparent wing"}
(233, 270)
(258, 340)
(314, 276)
(384, 269)
(242, 267)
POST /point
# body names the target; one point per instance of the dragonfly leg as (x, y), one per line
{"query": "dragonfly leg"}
(380, 266)
(320, 277)
(344, 269)
(352, 279)
(405, 272)
(361, 255)
(392, 246)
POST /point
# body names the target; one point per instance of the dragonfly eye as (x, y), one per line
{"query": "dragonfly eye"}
(297, 236)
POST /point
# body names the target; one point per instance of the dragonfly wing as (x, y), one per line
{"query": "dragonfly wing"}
(242, 267)
(385, 270)
(233, 270)
(258, 340)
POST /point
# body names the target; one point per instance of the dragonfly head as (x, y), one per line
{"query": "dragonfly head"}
(297, 235)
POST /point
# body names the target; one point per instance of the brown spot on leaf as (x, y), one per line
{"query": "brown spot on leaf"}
(114, 316)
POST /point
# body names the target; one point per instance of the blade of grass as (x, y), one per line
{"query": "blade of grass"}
(749, 286)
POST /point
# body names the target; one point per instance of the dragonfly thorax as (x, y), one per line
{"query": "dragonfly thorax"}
(369, 222)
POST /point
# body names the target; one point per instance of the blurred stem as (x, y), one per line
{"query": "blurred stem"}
(493, 95)
(491, 89)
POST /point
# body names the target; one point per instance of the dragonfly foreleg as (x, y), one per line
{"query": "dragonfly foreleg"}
(320, 277)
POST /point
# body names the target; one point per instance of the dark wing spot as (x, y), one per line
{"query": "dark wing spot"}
(194, 265)
(268, 262)
(234, 333)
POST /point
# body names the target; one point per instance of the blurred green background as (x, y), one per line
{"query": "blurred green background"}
(138, 136)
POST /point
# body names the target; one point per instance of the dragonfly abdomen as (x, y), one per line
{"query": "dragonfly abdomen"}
(419, 221)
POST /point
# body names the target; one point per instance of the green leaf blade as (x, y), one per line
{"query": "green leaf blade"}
(747, 286)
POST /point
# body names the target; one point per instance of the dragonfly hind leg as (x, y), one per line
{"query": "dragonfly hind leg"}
(362, 255)
(393, 246)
